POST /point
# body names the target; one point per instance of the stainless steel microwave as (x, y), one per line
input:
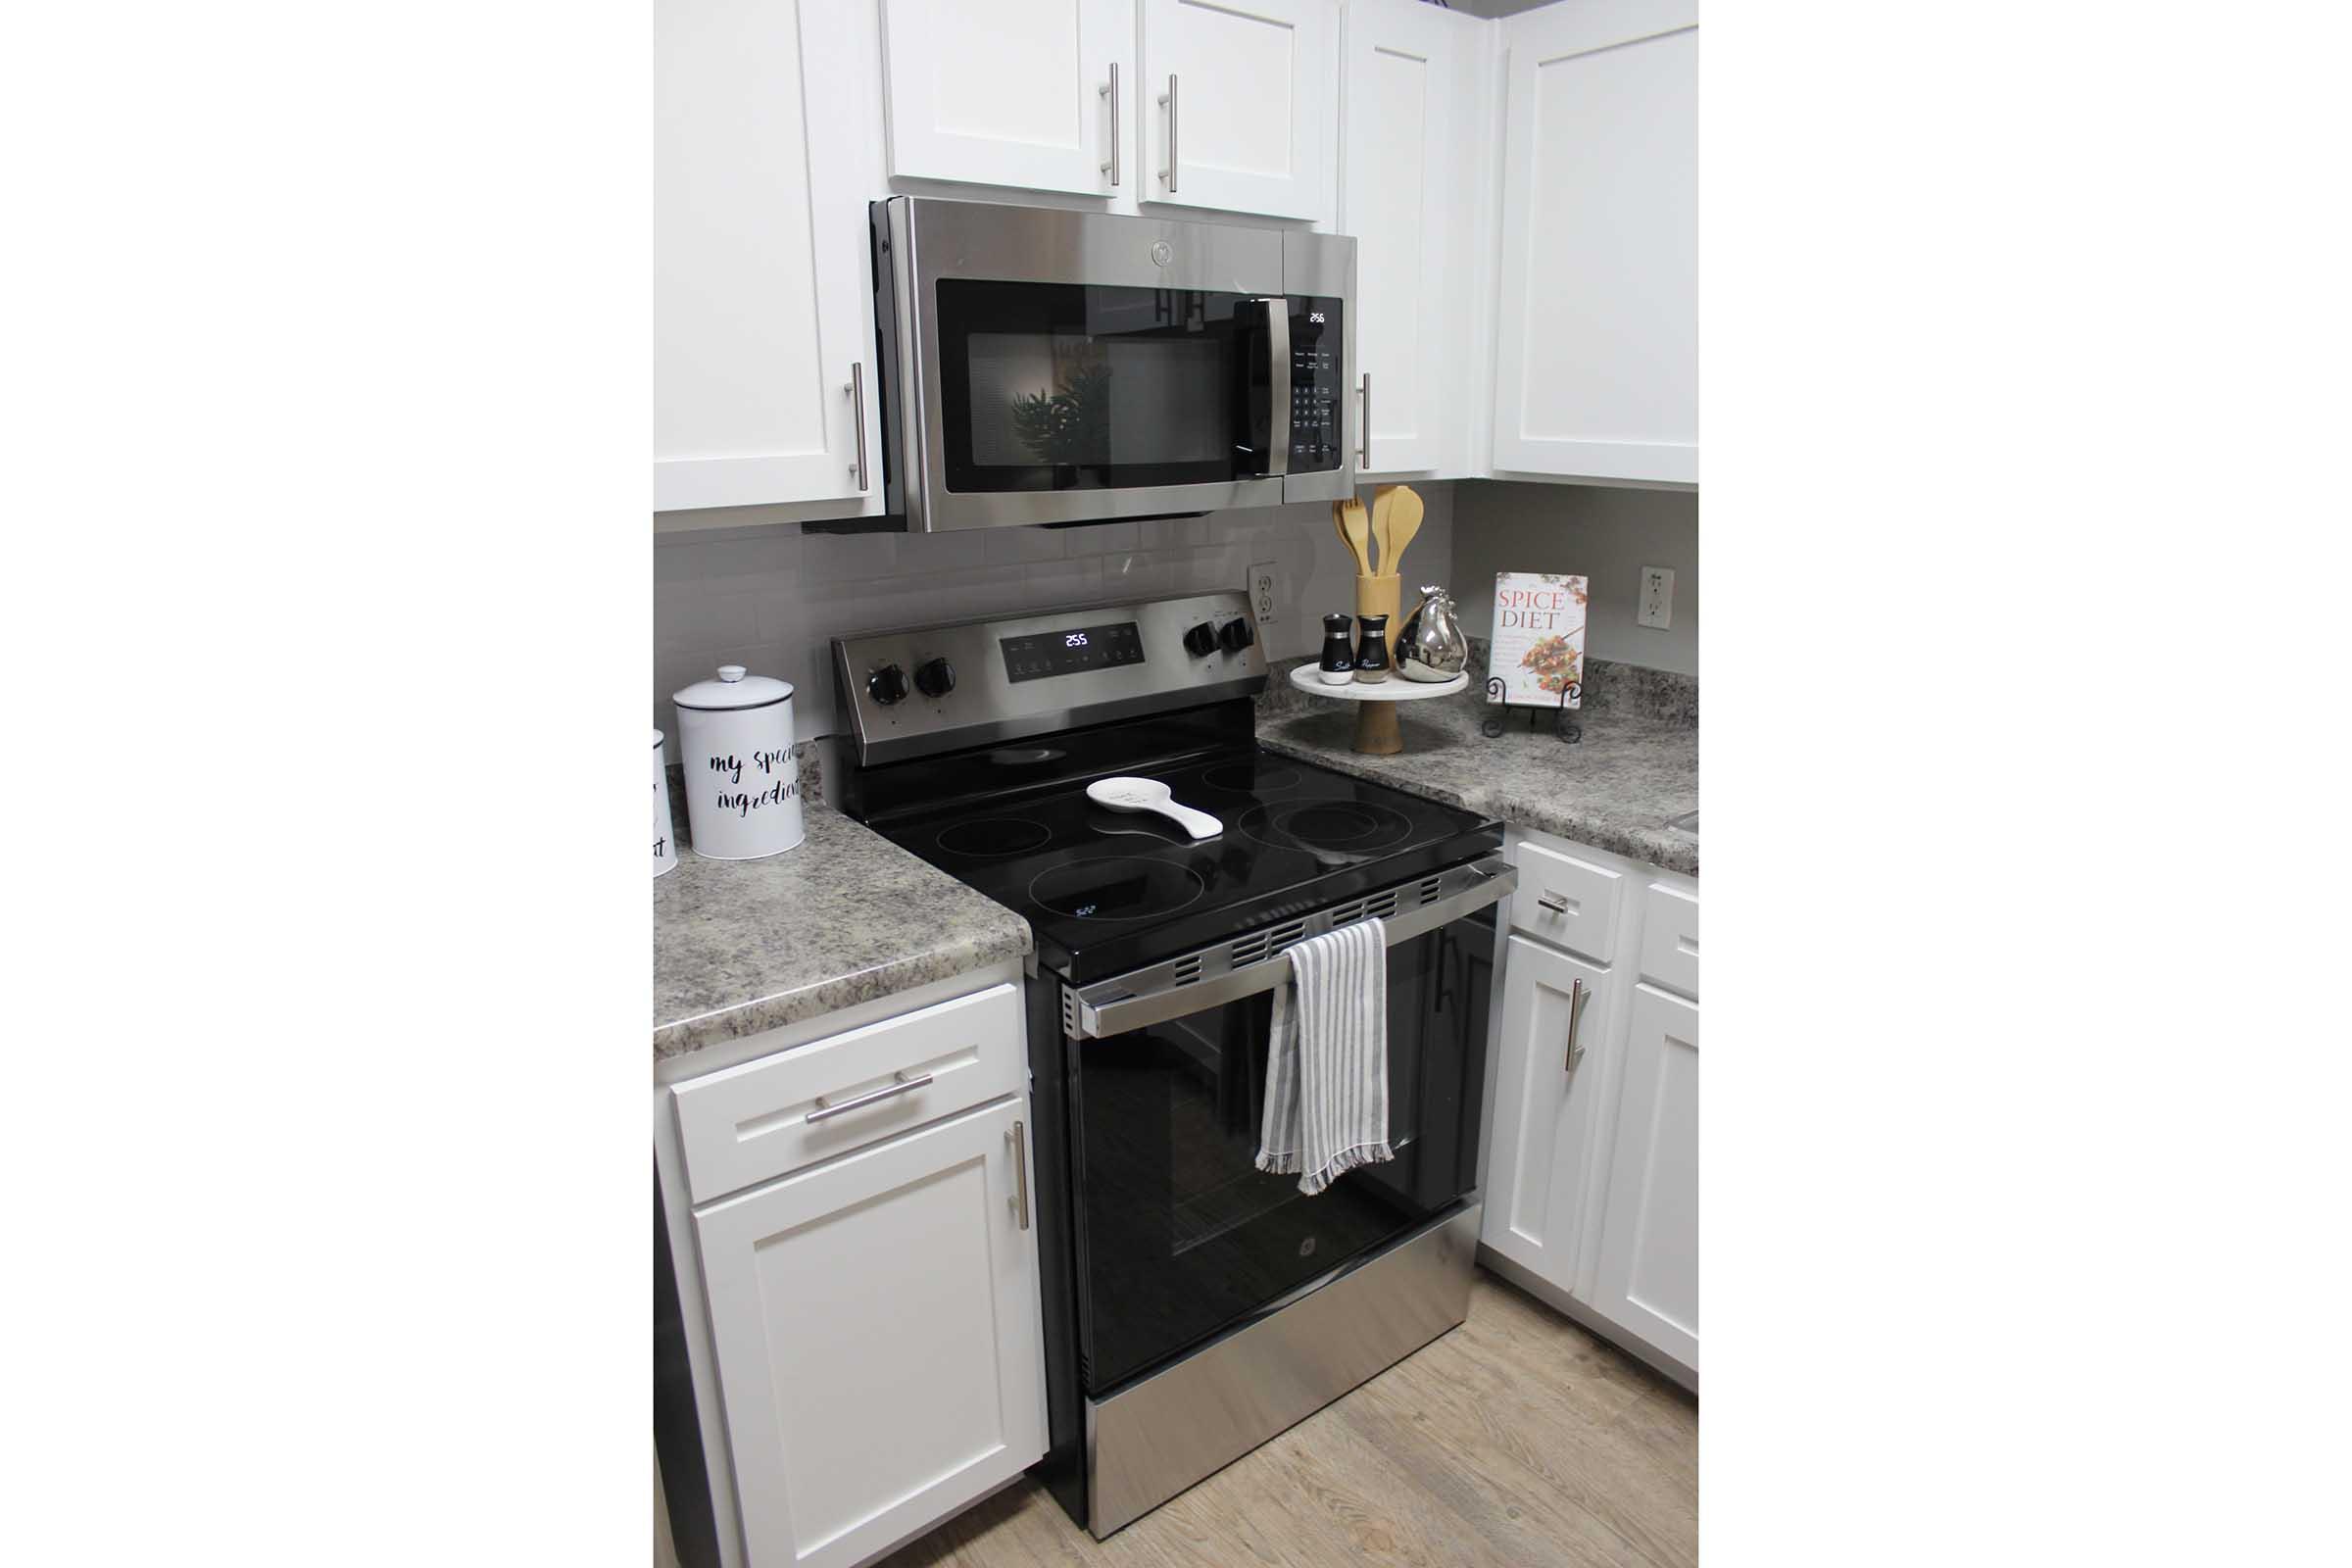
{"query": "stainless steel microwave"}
(1042, 365)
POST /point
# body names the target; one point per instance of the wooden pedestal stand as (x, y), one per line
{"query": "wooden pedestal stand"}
(1376, 730)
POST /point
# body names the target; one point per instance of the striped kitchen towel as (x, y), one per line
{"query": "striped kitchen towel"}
(1327, 1073)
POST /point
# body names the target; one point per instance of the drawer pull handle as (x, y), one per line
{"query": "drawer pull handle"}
(901, 1086)
(1578, 996)
(1556, 903)
(1020, 1172)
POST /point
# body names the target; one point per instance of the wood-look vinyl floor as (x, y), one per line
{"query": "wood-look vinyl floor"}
(1517, 1440)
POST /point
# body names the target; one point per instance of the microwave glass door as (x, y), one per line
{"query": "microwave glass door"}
(1062, 386)
(1181, 1235)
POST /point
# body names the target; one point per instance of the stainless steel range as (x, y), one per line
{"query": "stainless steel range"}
(1194, 1306)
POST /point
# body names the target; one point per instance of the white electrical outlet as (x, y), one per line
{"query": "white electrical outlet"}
(1655, 607)
(1265, 591)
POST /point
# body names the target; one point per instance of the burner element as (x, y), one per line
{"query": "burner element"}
(1117, 887)
(1248, 777)
(994, 837)
(1351, 827)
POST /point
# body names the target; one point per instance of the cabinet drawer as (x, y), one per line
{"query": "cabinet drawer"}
(1568, 901)
(1669, 939)
(750, 1123)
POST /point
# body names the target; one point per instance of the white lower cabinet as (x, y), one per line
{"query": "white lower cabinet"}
(1546, 1107)
(1592, 1172)
(1648, 1276)
(875, 1324)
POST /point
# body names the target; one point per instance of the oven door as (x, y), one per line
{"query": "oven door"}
(1180, 1237)
(1057, 367)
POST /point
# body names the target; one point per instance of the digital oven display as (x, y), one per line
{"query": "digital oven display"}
(1065, 653)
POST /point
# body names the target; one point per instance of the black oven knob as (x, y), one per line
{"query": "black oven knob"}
(1235, 635)
(935, 677)
(887, 685)
(1200, 641)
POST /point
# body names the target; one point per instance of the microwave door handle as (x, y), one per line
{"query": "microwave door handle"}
(1278, 385)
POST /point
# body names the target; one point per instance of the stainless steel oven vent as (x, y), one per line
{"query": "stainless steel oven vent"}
(1188, 971)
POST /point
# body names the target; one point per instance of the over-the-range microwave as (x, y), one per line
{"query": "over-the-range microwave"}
(1043, 366)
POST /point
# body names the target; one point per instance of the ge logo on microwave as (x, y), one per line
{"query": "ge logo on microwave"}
(1161, 253)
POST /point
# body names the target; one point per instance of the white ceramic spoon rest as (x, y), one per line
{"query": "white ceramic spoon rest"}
(1150, 794)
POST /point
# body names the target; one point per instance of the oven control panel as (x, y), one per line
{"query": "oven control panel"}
(920, 691)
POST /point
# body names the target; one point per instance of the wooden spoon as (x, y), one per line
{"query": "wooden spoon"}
(1404, 521)
(1384, 501)
(1354, 531)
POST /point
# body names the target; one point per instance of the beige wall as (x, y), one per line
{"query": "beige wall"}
(1605, 534)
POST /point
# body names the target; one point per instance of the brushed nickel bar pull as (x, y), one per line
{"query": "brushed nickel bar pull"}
(1556, 903)
(901, 1086)
(1168, 174)
(1111, 90)
(1020, 1171)
(857, 416)
(1363, 431)
(1578, 996)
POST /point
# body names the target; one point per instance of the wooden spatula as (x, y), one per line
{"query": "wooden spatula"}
(1383, 503)
(1355, 531)
(1403, 522)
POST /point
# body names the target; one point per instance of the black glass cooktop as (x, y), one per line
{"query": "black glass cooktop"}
(1107, 891)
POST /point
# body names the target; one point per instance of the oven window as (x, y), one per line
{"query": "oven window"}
(1047, 386)
(1182, 1235)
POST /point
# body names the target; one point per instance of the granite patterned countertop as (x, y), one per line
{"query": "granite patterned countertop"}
(1636, 769)
(742, 945)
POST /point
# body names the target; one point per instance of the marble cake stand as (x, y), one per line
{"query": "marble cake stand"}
(1376, 732)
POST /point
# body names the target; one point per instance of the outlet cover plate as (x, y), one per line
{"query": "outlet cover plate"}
(1265, 591)
(1655, 606)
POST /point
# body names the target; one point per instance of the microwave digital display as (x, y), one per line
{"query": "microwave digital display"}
(1065, 653)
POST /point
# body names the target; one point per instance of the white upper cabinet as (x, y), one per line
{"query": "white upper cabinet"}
(1239, 103)
(763, 310)
(1596, 360)
(1014, 92)
(1407, 169)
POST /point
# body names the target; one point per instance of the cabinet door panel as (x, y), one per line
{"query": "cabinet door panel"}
(1648, 1276)
(1541, 1180)
(1254, 104)
(879, 1350)
(1409, 69)
(1596, 370)
(760, 272)
(1008, 93)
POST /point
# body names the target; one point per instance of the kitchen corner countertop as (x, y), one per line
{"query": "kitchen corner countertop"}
(1616, 789)
(742, 945)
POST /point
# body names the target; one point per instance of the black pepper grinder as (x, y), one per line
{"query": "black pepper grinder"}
(1372, 650)
(1337, 663)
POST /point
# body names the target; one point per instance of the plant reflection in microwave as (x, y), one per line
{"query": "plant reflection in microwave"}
(1070, 425)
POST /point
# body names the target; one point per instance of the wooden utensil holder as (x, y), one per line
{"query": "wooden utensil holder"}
(1375, 731)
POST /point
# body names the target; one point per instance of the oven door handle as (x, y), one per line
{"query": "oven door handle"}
(1156, 993)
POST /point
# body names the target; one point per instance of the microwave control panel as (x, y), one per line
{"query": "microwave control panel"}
(1318, 362)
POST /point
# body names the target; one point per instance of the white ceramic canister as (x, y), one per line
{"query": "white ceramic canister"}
(743, 788)
(666, 842)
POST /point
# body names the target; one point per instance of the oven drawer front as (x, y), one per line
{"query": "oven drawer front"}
(1567, 902)
(764, 1118)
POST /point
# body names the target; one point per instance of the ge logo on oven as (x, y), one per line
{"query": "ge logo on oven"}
(1306, 1249)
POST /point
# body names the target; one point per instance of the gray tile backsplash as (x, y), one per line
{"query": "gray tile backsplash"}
(770, 598)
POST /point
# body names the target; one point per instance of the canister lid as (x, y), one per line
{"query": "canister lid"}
(733, 689)
(657, 740)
